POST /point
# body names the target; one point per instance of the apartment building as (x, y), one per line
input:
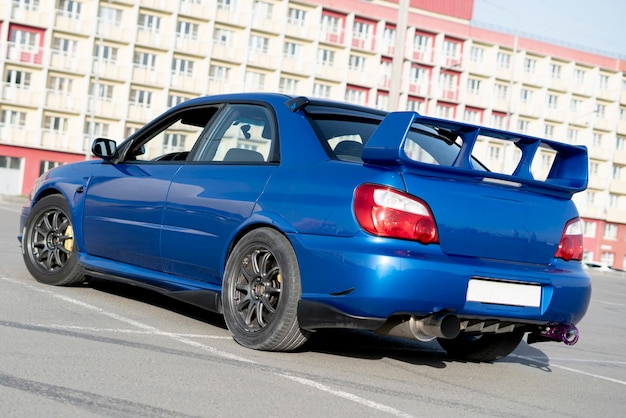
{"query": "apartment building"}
(76, 69)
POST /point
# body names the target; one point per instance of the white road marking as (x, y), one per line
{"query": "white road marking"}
(570, 369)
(184, 339)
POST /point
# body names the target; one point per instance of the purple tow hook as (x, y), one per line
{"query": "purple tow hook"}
(567, 333)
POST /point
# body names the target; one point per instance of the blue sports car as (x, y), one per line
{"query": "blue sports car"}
(292, 214)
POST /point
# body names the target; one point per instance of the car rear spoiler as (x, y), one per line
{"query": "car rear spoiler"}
(568, 173)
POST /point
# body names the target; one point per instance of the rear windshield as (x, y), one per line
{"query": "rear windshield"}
(345, 135)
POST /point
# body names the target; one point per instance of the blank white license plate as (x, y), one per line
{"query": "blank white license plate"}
(503, 293)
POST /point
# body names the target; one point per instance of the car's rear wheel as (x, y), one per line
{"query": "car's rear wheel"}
(482, 348)
(260, 292)
(48, 245)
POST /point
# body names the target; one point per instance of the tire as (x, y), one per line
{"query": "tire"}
(48, 246)
(482, 348)
(260, 292)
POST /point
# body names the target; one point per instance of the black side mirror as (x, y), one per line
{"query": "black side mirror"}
(104, 148)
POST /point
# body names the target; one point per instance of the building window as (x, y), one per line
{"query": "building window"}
(473, 116)
(182, 67)
(356, 95)
(498, 120)
(187, 30)
(110, 16)
(97, 129)
(45, 165)
(548, 131)
(504, 60)
(473, 86)
(64, 46)
(258, 44)
(140, 98)
(589, 229)
(603, 82)
(60, 84)
(502, 91)
(288, 85)
(101, 91)
(445, 111)
(57, 124)
(620, 143)
(600, 110)
(224, 37)
(555, 71)
(579, 76)
(523, 125)
(69, 8)
(13, 118)
(174, 100)
(144, 60)
(552, 101)
(526, 96)
(325, 57)
(357, 63)
(149, 23)
(321, 90)
(18, 79)
(607, 258)
(105, 54)
(610, 231)
(219, 73)
(530, 65)
(227, 5)
(263, 9)
(254, 80)
(296, 16)
(477, 54)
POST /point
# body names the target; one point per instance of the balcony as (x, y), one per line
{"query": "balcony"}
(71, 22)
(60, 60)
(148, 76)
(19, 135)
(140, 113)
(110, 69)
(227, 52)
(298, 29)
(232, 16)
(114, 31)
(191, 46)
(24, 54)
(598, 183)
(619, 157)
(64, 101)
(60, 141)
(262, 59)
(152, 39)
(618, 187)
(190, 8)
(160, 5)
(615, 215)
(296, 65)
(31, 16)
(21, 96)
(187, 83)
(104, 108)
(601, 154)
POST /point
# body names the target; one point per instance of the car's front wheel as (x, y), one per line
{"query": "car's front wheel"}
(260, 292)
(482, 348)
(48, 245)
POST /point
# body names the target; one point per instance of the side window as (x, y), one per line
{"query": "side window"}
(175, 139)
(242, 133)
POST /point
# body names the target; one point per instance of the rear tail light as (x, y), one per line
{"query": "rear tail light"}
(387, 212)
(571, 244)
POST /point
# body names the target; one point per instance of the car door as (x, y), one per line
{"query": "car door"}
(216, 191)
(124, 200)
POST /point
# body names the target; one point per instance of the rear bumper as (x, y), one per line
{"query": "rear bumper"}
(365, 280)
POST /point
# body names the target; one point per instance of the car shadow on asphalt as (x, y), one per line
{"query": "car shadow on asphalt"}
(338, 342)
